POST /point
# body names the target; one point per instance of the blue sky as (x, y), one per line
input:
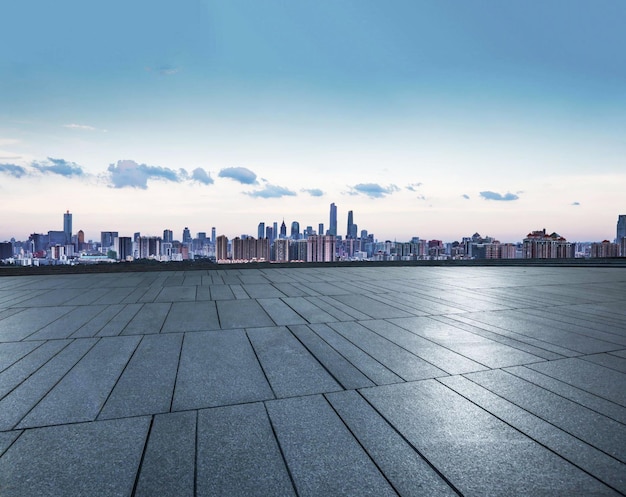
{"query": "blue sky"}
(431, 119)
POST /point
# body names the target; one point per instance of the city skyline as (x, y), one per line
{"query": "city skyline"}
(430, 120)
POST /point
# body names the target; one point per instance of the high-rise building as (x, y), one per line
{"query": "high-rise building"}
(540, 245)
(274, 231)
(604, 250)
(67, 226)
(261, 230)
(320, 229)
(6, 250)
(621, 227)
(168, 236)
(281, 250)
(186, 235)
(149, 247)
(295, 230)
(283, 230)
(332, 230)
(352, 228)
(213, 239)
(269, 233)
(321, 248)
(222, 248)
(80, 239)
(124, 247)
(106, 239)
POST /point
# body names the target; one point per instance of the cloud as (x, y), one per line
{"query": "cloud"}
(13, 170)
(465, 196)
(60, 167)
(240, 174)
(413, 187)
(314, 192)
(507, 197)
(164, 70)
(201, 176)
(373, 190)
(271, 191)
(128, 173)
(575, 203)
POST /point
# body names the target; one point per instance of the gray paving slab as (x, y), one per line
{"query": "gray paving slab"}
(59, 297)
(372, 308)
(309, 311)
(619, 353)
(12, 376)
(87, 297)
(597, 430)
(475, 347)
(239, 292)
(151, 293)
(608, 361)
(221, 292)
(364, 362)
(534, 347)
(93, 326)
(191, 316)
(290, 289)
(592, 378)
(68, 323)
(242, 314)
(99, 458)
(290, 368)
(598, 464)
(169, 464)
(16, 404)
(6, 440)
(593, 402)
(11, 352)
(279, 312)
(23, 324)
(115, 296)
(265, 290)
(147, 383)
(322, 455)
(334, 311)
(117, 323)
(81, 393)
(338, 366)
(203, 293)
(543, 330)
(238, 454)
(406, 470)
(346, 309)
(218, 368)
(406, 365)
(149, 319)
(478, 453)
(433, 353)
(177, 294)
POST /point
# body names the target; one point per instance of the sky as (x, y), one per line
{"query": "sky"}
(429, 119)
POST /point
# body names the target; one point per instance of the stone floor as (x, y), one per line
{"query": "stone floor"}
(314, 381)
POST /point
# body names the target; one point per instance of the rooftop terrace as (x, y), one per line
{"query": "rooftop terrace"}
(314, 381)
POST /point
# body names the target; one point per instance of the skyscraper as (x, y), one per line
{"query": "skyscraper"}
(213, 234)
(295, 230)
(186, 235)
(261, 230)
(168, 236)
(621, 227)
(352, 228)
(283, 230)
(332, 230)
(67, 226)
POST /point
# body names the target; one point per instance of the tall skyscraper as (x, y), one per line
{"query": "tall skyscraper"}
(332, 230)
(67, 226)
(352, 228)
(621, 227)
(283, 230)
(274, 231)
(295, 230)
(320, 229)
(168, 236)
(261, 230)
(222, 248)
(186, 235)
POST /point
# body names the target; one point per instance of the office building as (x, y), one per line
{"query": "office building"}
(124, 248)
(351, 231)
(6, 250)
(281, 250)
(149, 247)
(261, 230)
(106, 240)
(332, 230)
(621, 227)
(67, 227)
(213, 239)
(283, 230)
(186, 235)
(168, 236)
(295, 230)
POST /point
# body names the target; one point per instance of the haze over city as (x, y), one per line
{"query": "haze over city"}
(426, 119)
